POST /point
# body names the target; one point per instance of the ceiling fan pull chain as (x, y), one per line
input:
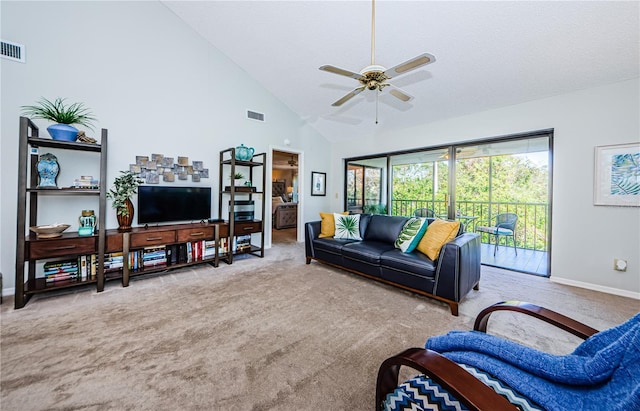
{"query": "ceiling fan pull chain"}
(377, 93)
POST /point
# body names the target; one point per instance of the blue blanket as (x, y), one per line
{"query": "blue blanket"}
(604, 369)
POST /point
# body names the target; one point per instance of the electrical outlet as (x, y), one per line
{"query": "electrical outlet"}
(619, 265)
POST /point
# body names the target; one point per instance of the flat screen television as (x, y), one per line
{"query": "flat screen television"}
(162, 204)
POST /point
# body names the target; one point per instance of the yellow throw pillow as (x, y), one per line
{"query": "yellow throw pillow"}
(439, 232)
(328, 224)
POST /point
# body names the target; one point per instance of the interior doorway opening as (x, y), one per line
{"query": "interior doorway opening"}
(285, 196)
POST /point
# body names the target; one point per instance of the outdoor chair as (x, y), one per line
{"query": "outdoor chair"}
(476, 371)
(504, 224)
(424, 212)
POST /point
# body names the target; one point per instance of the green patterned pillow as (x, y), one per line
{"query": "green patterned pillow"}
(411, 234)
(347, 226)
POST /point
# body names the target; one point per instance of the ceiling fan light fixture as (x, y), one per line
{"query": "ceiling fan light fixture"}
(372, 69)
(374, 76)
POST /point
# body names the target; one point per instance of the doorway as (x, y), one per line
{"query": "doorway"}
(284, 196)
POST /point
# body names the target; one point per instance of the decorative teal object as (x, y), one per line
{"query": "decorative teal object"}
(87, 223)
(244, 153)
(48, 170)
(63, 132)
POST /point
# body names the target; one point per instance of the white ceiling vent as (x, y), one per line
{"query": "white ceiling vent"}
(254, 115)
(12, 51)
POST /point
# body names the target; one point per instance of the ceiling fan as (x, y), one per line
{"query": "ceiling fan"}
(292, 162)
(374, 77)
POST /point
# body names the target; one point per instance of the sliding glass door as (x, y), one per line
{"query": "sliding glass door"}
(420, 183)
(366, 186)
(472, 183)
(500, 177)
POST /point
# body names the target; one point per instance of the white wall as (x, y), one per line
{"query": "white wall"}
(150, 80)
(585, 238)
(158, 87)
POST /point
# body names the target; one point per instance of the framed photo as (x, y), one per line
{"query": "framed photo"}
(318, 183)
(617, 175)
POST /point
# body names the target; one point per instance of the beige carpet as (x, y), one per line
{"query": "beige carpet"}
(261, 334)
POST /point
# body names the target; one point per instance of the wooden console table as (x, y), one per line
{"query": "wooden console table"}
(141, 238)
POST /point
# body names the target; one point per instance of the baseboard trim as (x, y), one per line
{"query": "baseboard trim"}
(595, 287)
(6, 292)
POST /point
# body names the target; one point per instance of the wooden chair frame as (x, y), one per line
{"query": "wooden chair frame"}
(461, 384)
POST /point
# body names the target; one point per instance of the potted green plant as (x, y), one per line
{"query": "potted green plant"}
(63, 115)
(124, 187)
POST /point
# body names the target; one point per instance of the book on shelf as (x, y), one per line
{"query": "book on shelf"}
(66, 277)
(154, 256)
(86, 182)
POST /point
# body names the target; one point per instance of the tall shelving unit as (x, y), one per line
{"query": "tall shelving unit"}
(29, 248)
(229, 166)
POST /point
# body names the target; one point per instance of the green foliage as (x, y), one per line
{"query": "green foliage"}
(124, 187)
(375, 209)
(57, 112)
(502, 183)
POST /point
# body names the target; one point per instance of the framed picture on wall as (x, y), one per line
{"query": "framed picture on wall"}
(318, 183)
(617, 175)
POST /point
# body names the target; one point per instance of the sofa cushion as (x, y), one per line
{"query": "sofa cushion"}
(330, 244)
(411, 234)
(328, 224)
(347, 226)
(384, 228)
(364, 223)
(415, 263)
(367, 251)
(439, 232)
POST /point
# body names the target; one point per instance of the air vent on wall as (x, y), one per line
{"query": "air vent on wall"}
(12, 51)
(255, 115)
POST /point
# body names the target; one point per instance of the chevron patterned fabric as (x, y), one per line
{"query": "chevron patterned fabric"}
(423, 394)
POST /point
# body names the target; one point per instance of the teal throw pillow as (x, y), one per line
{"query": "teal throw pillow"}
(347, 226)
(411, 234)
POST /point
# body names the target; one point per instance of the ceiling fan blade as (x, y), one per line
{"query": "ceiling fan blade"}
(409, 65)
(342, 72)
(348, 97)
(399, 93)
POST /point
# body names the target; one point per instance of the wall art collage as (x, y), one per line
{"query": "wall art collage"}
(152, 168)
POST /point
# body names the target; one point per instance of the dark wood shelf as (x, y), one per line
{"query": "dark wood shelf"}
(243, 163)
(30, 248)
(229, 166)
(66, 145)
(39, 285)
(65, 191)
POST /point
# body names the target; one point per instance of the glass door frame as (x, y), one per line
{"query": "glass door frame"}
(453, 150)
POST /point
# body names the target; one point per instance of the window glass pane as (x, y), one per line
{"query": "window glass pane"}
(366, 186)
(419, 183)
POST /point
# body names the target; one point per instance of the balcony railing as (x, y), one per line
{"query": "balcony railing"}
(532, 228)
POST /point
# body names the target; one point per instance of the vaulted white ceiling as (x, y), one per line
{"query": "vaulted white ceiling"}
(489, 54)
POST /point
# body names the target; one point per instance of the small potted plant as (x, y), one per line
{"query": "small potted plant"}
(62, 114)
(124, 187)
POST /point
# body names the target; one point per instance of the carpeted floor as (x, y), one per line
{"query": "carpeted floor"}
(261, 334)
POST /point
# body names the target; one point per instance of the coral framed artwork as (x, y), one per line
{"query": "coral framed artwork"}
(617, 175)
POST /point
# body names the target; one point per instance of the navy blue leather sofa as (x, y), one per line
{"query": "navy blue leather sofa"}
(455, 272)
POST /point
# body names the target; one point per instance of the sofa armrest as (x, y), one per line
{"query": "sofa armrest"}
(458, 267)
(311, 231)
